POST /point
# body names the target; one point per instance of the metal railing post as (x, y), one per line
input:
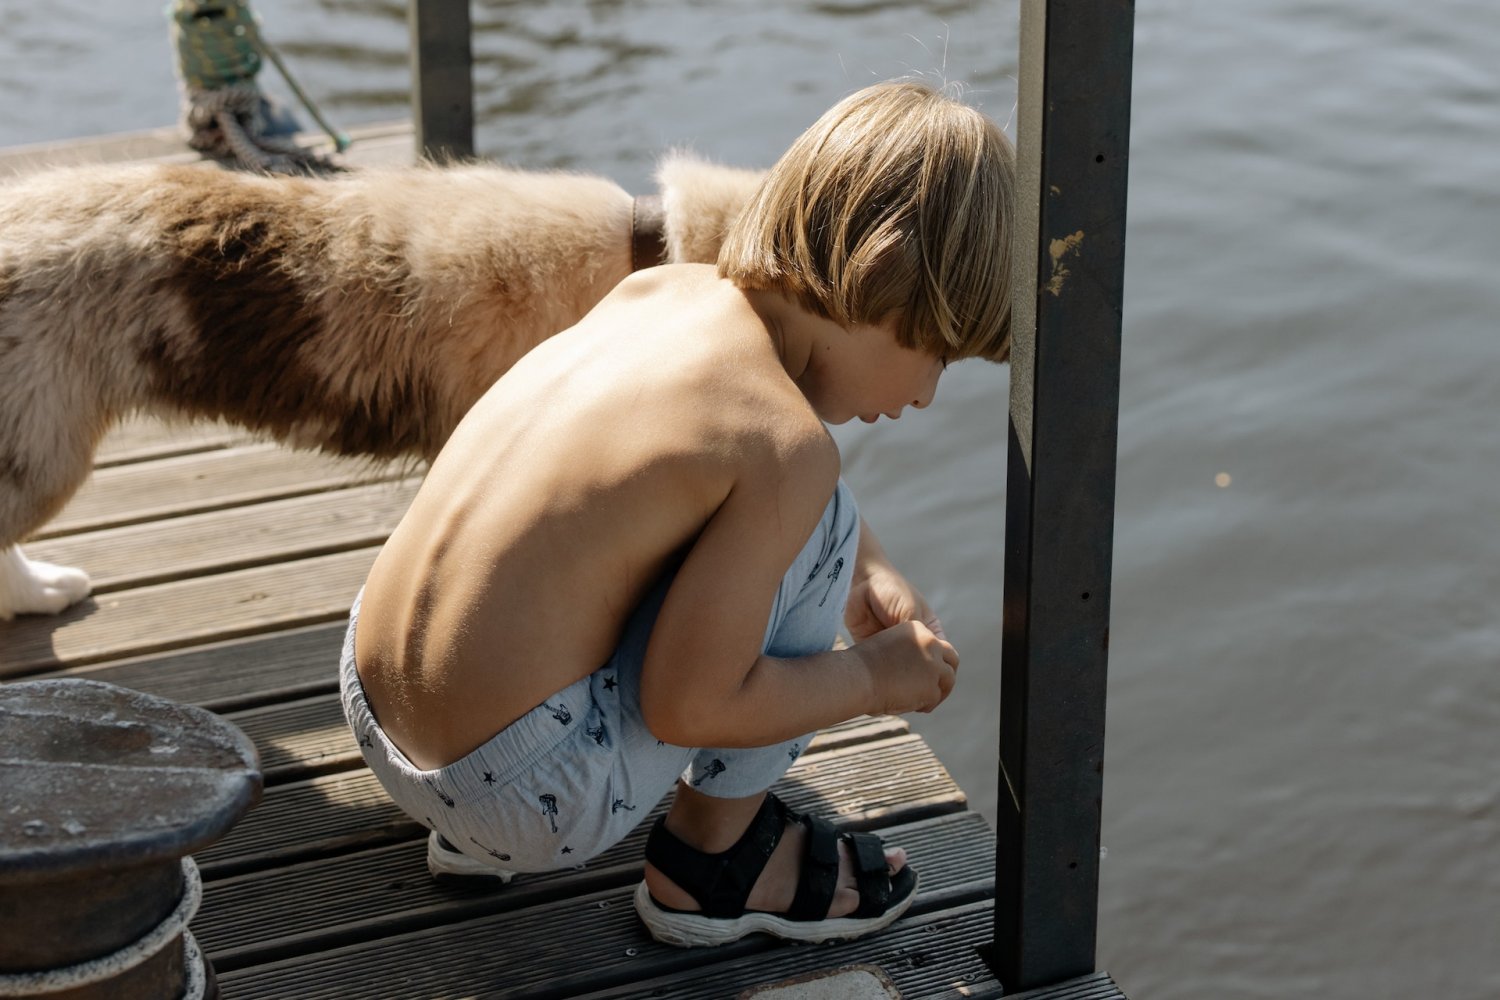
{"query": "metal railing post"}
(1073, 140)
(442, 71)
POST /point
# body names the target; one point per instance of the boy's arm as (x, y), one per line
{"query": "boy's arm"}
(880, 596)
(705, 681)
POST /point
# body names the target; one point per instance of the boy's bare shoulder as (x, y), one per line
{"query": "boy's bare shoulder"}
(733, 391)
(673, 387)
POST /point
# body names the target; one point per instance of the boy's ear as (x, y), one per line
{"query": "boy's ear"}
(702, 200)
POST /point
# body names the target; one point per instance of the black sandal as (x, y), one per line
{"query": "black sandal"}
(721, 884)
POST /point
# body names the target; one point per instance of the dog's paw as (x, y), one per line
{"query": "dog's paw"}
(28, 587)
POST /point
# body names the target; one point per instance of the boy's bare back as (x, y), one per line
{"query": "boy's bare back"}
(663, 426)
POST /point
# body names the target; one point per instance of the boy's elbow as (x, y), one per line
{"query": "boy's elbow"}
(680, 720)
(664, 722)
(666, 718)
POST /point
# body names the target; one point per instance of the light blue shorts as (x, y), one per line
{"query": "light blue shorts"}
(574, 775)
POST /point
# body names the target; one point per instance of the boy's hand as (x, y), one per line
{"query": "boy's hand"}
(912, 669)
(882, 597)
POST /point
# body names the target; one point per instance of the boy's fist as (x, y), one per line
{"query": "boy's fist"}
(882, 597)
(912, 668)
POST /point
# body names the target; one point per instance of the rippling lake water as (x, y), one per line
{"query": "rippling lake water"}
(1302, 792)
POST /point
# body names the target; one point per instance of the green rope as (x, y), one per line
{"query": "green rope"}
(219, 45)
(340, 139)
(217, 42)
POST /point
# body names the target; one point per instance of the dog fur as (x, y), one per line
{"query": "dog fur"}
(361, 314)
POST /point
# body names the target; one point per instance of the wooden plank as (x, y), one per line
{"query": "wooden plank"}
(387, 890)
(339, 813)
(139, 439)
(161, 144)
(593, 945)
(928, 956)
(167, 145)
(393, 147)
(235, 538)
(1094, 986)
(188, 484)
(234, 674)
(574, 944)
(173, 615)
(303, 738)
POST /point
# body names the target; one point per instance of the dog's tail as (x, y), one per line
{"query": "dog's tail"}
(701, 201)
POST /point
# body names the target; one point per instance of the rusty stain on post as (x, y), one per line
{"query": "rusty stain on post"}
(1058, 249)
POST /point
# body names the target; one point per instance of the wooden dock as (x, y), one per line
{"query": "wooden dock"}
(223, 570)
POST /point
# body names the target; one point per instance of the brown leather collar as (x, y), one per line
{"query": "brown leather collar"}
(648, 232)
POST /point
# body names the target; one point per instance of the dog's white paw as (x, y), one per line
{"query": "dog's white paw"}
(28, 587)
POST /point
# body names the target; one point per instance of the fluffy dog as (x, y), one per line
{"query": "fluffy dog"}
(360, 315)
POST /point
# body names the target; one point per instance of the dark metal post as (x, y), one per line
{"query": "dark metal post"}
(1073, 140)
(442, 93)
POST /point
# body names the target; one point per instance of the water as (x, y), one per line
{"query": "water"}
(1302, 792)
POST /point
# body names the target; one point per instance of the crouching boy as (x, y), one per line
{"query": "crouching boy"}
(627, 567)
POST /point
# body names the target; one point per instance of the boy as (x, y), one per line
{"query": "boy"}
(654, 490)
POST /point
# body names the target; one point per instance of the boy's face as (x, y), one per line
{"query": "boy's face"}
(864, 373)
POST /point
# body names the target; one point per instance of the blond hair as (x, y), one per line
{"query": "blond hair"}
(897, 203)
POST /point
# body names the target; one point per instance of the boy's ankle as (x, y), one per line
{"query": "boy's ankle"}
(709, 824)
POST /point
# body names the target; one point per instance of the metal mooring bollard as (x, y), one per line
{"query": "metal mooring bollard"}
(103, 794)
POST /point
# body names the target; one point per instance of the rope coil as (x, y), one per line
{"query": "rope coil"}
(220, 51)
(174, 925)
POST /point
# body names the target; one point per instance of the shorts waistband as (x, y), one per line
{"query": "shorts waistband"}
(498, 760)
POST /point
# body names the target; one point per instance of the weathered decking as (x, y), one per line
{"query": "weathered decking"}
(223, 569)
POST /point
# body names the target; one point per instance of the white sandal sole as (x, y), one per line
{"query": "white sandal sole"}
(692, 930)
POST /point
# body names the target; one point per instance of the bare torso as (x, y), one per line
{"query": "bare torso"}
(559, 500)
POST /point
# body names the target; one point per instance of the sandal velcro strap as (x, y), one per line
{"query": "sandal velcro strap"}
(871, 873)
(820, 871)
(721, 883)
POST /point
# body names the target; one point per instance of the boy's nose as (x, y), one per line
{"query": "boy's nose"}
(925, 400)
